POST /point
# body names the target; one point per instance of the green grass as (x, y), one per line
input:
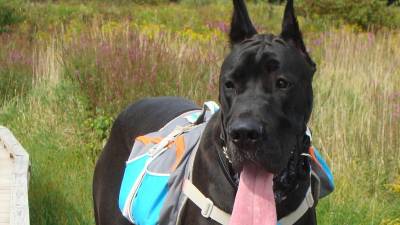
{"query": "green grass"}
(69, 68)
(48, 123)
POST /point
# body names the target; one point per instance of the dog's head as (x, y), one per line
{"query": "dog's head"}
(265, 91)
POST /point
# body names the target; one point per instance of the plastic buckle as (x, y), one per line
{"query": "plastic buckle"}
(155, 150)
(306, 155)
(207, 209)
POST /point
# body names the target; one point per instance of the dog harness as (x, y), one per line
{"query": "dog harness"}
(157, 179)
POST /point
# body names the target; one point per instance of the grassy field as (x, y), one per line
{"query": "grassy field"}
(66, 70)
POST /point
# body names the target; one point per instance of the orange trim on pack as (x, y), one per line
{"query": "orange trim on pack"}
(180, 149)
(179, 146)
(314, 158)
(149, 140)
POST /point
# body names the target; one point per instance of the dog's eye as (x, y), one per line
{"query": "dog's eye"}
(229, 85)
(283, 84)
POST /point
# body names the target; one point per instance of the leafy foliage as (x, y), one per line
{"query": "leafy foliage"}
(364, 13)
(10, 13)
(96, 130)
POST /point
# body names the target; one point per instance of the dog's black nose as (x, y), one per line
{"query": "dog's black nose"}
(245, 132)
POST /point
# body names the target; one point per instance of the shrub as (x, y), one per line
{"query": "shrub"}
(10, 13)
(366, 14)
(96, 130)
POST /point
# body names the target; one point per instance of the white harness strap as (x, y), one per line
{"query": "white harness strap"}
(294, 216)
(209, 210)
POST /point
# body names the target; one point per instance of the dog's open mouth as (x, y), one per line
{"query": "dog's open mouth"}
(254, 201)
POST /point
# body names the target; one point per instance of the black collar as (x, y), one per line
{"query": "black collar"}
(229, 173)
(223, 160)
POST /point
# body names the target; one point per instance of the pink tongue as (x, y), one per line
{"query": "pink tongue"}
(254, 202)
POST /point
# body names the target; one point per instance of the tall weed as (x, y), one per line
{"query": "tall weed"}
(16, 60)
(357, 125)
(118, 66)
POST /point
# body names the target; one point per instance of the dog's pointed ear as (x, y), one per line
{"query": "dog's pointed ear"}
(291, 32)
(241, 26)
(290, 28)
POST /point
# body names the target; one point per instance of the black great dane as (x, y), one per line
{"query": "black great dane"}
(266, 97)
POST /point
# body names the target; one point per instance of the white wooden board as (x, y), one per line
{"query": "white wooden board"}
(14, 174)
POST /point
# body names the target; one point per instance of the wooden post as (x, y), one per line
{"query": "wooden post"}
(14, 178)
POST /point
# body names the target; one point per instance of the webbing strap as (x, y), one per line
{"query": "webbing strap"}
(294, 216)
(208, 209)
